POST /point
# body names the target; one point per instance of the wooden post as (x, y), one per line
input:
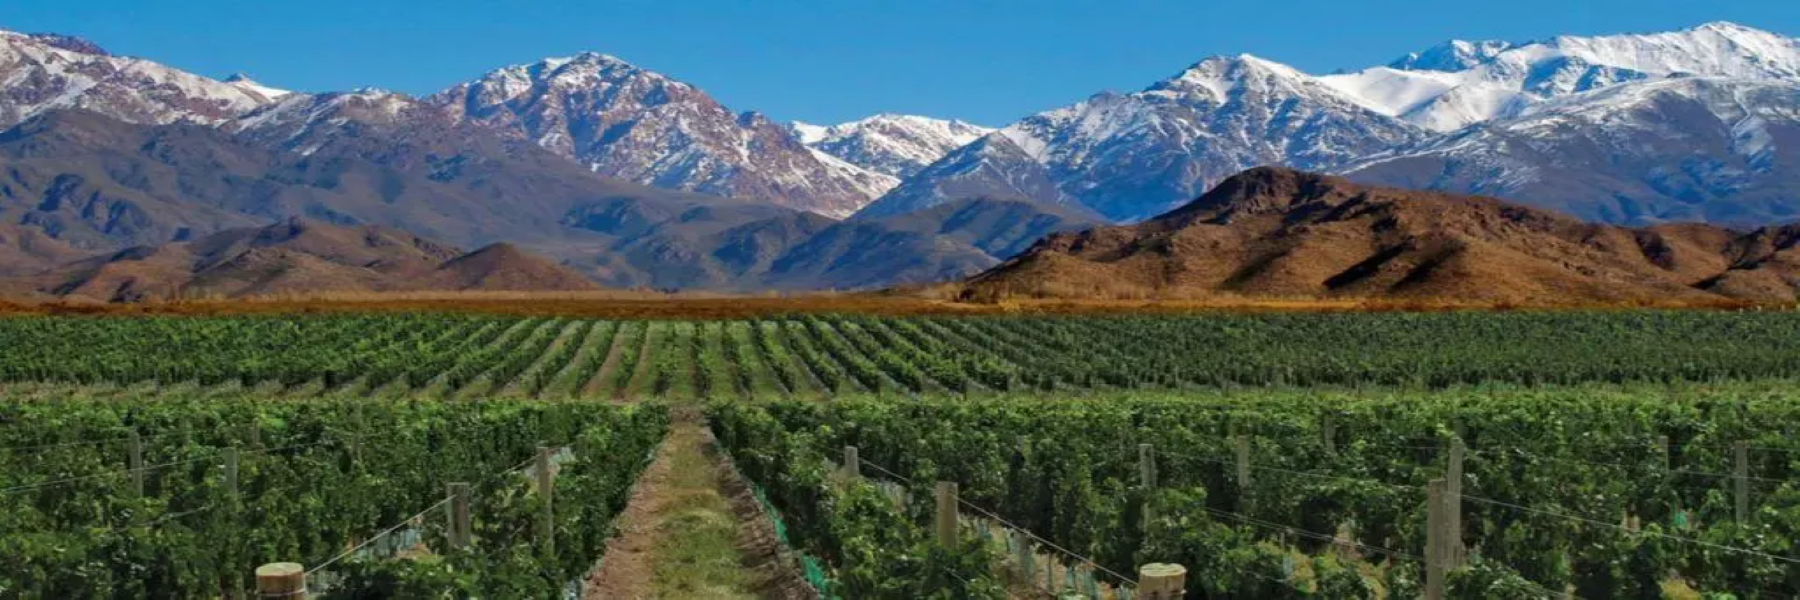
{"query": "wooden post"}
(281, 580)
(1436, 540)
(946, 514)
(1025, 557)
(255, 434)
(231, 472)
(458, 513)
(135, 461)
(1147, 479)
(1453, 502)
(1328, 433)
(1162, 581)
(546, 489)
(1740, 481)
(1662, 442)
(852, 462)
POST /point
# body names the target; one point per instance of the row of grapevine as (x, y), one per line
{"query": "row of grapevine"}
(870, 547)
(864, 371)
(585, 364)
(539, 375)
(1550, 475)
(836, 354)
(312, 478)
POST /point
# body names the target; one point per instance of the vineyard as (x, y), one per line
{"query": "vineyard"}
(1591, 491)
(814, 356)
(1527, 455)
(173, 495)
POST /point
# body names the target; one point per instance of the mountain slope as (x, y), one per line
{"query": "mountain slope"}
(361, 158)
(800, 251)
(1687, 149)
(626, 122)
(1460, 83)
(503, 267)
(1133, 156)
(992, 165)
(1280, 233)
(297, 256)
(26, 250)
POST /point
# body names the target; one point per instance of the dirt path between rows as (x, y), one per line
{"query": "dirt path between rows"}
(693, 529)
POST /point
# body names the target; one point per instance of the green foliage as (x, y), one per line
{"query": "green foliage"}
(1067, 469)
(873, 548)
(315, 477)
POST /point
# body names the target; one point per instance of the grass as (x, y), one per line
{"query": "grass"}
(700, 558)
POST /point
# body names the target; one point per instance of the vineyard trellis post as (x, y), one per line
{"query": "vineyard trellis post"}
(1453, 497)
(135, 461)
(1328, 433)
(945, 521)
(281, 580)
(1147, 466)
(1024, 555)
(1437, 543)
(457, 513)
(1740, 481)
(852, 462)
(1662, 444)
(546, 489)
(255, 434)
(1147, 478)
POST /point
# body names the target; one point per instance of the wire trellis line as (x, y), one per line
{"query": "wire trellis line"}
(383, 533)
(1001, 520)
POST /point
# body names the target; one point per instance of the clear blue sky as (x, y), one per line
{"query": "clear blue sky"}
(988, 61)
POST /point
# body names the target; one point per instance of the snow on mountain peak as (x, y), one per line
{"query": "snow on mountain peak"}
(244, 82)
(890, 144)
(46, 72)
(1454, 55)
(1459, 83)
(1219, 77)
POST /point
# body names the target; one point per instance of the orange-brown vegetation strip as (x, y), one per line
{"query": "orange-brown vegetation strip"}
(678, 307)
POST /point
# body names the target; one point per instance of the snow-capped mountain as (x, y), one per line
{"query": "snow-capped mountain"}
(1490, 117)
(43, 72)
(1460, 83)
(894, 145)
(304, 123)
(1721, 150)
(992, 166)
(614, 118)
(1133, 156)
(639, 125)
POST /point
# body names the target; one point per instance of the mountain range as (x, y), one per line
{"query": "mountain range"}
(1631, 129)
(636, 179)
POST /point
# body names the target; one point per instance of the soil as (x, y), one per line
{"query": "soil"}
(693, 529)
